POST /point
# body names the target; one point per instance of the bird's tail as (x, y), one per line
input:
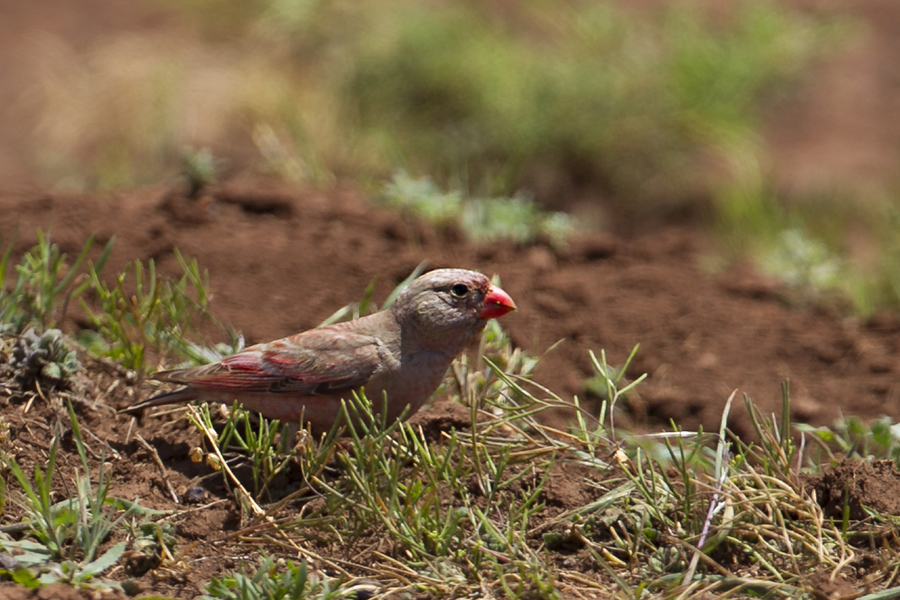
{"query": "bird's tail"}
(182, 395)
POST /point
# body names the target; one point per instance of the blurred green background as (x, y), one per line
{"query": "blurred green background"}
(772, 125)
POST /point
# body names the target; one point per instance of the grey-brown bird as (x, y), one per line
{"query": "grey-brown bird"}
(401, 353)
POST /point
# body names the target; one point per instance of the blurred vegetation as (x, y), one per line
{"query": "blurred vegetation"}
(649, 111)
(591, 92)
(517, 219)
(481, 98)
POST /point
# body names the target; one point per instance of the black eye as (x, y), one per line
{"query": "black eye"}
(459, 290)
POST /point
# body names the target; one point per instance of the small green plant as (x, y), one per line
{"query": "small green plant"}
(517, 219)
(154, 543)
(422, 198)
(605, 383)
(803, 263)
(154, 318)
(273, 580)
(483, 220)
(245, 435)
(51, 525)
(45, 359)
(198, 169)
(45, 284)
(854, 438)
(395, 483)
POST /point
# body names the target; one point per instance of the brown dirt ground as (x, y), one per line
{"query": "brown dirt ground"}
(281, 259)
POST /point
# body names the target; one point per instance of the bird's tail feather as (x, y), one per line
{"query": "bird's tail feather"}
(182, 395)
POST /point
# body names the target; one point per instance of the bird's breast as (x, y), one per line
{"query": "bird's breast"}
(412, 382)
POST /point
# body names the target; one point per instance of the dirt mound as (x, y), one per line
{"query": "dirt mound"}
(282, 259)
(857, 485)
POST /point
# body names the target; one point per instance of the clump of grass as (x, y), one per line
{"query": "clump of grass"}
(422, 198)
(856, 439)
(154, 318)
(274, 580)
(149, 316)
(803, 263)
(242, 435)
(44, 285)
(518, 219)
(483, 220)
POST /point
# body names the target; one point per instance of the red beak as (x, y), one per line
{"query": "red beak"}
(496, 304)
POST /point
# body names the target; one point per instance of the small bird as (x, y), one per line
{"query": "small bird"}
(401, 353)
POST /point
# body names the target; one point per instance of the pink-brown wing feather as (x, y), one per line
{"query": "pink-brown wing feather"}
(320, 361)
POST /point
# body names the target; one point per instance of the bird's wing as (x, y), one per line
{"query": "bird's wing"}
(314, 362)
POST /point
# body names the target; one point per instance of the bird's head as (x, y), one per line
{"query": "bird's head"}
(451, 303)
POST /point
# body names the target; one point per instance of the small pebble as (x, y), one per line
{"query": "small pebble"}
(194, 495)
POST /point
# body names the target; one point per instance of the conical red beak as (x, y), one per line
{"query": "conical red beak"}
(496, 304)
